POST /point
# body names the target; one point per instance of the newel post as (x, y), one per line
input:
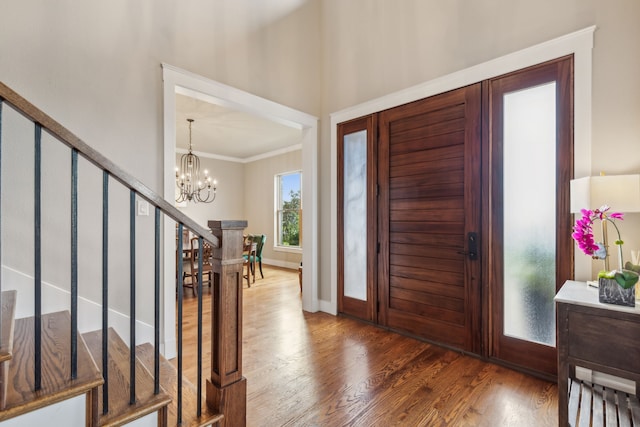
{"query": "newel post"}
(226, 387)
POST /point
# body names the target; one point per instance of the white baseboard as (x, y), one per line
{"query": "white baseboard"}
(169, 348)
(327, 307)
(283, 264)
(56, 299)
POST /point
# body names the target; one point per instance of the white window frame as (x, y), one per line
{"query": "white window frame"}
(276, 217)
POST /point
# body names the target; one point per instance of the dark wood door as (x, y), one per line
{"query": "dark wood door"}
(532, 251)
(357, 218)
(429, 209)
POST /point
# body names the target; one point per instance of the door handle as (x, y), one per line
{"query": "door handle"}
(472, 246)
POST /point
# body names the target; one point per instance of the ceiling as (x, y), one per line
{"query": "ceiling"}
(225, 133)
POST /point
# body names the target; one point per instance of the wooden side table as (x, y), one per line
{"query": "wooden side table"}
(604, 338)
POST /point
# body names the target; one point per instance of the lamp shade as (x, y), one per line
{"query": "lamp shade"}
(620, 192)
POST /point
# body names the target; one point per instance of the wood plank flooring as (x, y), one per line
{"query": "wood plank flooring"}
(314, 369)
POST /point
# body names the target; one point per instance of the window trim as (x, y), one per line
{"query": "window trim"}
(276, 214)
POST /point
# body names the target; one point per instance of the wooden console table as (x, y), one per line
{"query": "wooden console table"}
(604, 338)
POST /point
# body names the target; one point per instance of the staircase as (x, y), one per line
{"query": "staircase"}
(47, 359)
(19, 393)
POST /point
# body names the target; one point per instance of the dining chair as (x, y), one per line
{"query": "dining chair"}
(249, 251)
(247, 275)
(207, 268)
(259, 240)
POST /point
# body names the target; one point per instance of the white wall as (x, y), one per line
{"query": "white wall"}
(229, 202)
(18, 221)
(259, 201)
(371, 48)
(95, 66)
(246, 191)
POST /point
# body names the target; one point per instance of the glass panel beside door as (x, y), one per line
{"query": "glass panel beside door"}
(531, 148)
(357, 234)
(530, 233)
(355, 214)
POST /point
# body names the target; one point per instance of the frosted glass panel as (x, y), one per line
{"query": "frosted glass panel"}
(529, 213)
(355, 215)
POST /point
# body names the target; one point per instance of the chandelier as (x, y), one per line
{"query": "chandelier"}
(192, 187)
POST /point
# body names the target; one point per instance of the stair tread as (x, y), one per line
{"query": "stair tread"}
(120, 411)
(8, 318)
(57, 384)
(169, 381)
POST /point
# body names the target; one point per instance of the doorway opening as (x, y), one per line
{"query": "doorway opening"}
(176, 80)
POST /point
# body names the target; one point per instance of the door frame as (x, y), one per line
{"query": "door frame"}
(177, 80)
(578, 43)
(367, 309)
(512, 350)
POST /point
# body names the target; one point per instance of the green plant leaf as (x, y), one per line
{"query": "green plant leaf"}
(629, 266)
(626, 278)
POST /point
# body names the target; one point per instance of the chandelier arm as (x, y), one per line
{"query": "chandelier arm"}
(206, 200)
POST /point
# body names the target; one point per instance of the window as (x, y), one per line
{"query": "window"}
(289, 210)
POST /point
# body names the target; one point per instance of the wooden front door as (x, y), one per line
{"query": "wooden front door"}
(429, 218)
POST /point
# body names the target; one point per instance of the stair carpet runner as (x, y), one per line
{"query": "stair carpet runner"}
(17, 395)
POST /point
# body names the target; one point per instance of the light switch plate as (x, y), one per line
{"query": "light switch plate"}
(143, 208)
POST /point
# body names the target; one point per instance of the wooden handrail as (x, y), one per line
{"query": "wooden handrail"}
(65, 136)
(226, 388)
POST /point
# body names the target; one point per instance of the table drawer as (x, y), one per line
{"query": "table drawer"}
(604, 340)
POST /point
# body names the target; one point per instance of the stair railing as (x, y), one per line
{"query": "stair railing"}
(226, 388)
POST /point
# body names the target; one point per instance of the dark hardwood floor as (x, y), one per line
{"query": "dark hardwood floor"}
(314, 369)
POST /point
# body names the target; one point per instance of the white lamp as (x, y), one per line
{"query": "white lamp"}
(620, 192)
